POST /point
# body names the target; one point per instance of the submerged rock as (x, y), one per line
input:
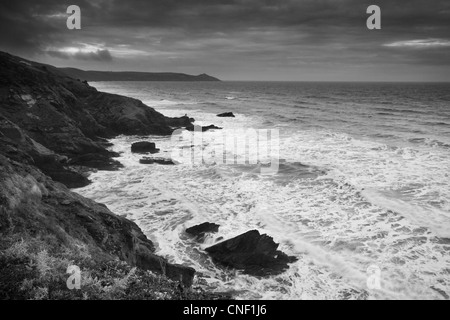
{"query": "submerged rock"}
(144, 147)
(226, 114)
(164, 161)
(199, 231)
(251, 252)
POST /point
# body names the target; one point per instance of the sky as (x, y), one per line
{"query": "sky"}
(280, 40)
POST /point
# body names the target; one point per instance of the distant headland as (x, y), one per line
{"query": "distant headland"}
(133, 76)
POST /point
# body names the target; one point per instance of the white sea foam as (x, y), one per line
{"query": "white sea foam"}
(340, 203)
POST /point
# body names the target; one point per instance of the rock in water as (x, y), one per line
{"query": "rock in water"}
(226, 114)
(144, 147)
(200, 128)
(199, 231)
(251, 252)
(32, 202)
(148, 160)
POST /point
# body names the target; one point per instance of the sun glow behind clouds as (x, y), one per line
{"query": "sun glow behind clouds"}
(84, 48)
(122, 51)
(424, 43)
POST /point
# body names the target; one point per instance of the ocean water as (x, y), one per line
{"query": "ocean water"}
(364, 180)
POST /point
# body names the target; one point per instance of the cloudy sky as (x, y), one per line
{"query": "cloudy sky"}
(302, 40)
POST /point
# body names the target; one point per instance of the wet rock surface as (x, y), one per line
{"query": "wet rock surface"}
(251, 252)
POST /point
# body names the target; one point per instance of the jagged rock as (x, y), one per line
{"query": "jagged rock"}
(199, 231)
(251, 252)
(226, 114)
(149, 261)
(97, 161)
(180, 121)
(148, 160)
(17, 145)
(144, 147)
(201, 128)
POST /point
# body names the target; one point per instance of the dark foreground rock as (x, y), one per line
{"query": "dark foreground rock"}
(199, 231)
(144, 147)
(201, 128)
(226, 115)
(163, 161)
(251, 252)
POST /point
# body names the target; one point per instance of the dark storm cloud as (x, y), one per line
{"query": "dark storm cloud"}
(192, 33)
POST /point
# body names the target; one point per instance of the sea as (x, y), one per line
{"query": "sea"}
(361, 194)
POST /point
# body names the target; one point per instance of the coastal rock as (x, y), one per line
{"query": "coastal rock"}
(144, 147)
(96, 161)
(32, 203)
(180, 121)
(163, 161)
(123, 115)
(68, 116)
(201, 128)
(251, 252)
(199, 231)
(226, 114)
(149, 261)
(51, 128)
(70, 177)
(17, 145)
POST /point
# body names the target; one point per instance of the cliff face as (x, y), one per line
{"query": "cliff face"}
(33, 205)
(65, 114)
(69, 117)
(49, 121)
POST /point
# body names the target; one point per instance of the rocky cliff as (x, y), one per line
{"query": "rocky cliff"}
(69, 117)
(51, 128)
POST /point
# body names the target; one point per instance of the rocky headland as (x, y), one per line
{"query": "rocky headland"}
(54, 131)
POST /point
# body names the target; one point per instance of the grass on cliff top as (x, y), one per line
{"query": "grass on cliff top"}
(31, 269)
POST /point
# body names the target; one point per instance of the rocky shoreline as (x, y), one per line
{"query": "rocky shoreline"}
(54, 130)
